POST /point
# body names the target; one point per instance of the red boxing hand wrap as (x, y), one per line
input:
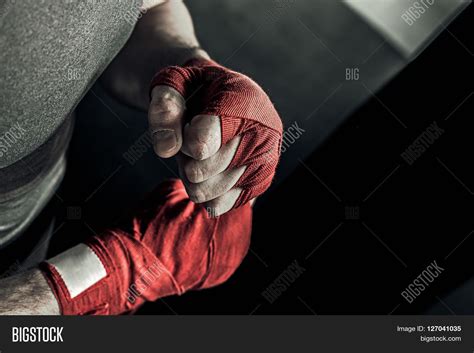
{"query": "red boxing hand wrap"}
(244, 109)
(173, 246)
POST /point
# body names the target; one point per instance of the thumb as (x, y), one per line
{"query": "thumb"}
(165, 120)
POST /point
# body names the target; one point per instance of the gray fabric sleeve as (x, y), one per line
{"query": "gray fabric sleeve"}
(51, 52)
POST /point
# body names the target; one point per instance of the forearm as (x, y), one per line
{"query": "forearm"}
(163, 36)
(27, 293)
(118, 271)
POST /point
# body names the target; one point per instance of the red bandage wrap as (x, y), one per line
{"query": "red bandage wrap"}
(244, 109)
(172, 247)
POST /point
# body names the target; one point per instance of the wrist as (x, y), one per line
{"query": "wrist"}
(27, 293)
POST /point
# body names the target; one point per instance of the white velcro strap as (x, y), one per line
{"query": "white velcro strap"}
(79, 267)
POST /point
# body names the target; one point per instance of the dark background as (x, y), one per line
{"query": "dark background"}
(349, 156)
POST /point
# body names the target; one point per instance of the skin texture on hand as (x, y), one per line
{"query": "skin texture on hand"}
(202, 160)
(27, 293)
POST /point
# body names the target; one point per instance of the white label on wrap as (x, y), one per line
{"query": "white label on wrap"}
(80, 268)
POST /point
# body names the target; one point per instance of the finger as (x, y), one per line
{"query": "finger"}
(199, 171)
(222, 204)
(212, 187)
(165, 120)
(202, 137)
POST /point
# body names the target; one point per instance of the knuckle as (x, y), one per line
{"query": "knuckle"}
(155, 109)
(165, 108)
(199, 150)
(197, 193)
(193, 172)
(165, 94)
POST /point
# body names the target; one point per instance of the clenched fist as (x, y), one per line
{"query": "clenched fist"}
(221, 126)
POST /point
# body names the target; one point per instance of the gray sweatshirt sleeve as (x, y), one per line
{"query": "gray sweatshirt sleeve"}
(51, 52)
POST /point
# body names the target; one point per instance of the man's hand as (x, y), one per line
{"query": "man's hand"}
(220, 124)
(168, 246)
(222, 128)
(202, 160)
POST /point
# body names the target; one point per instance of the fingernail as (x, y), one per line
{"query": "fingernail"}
(165, 140)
